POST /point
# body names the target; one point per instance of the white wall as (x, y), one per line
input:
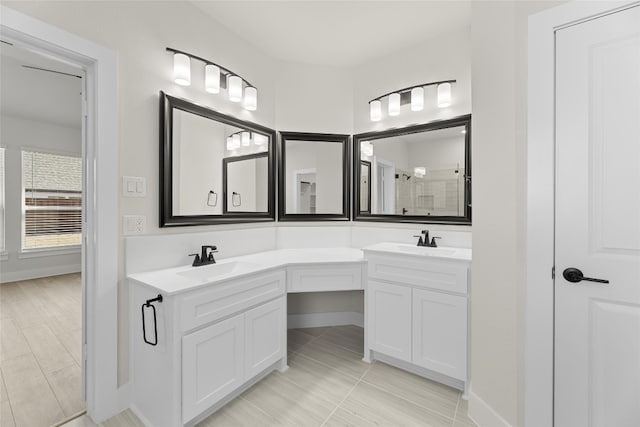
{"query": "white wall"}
(437, 154)
(312, 98)
(499, 52)
(16, 134)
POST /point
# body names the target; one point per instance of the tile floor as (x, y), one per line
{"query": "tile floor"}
(41, 331)
(328, 384)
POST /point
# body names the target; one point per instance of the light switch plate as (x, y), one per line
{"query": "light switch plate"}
(134, 224)
(134, 186)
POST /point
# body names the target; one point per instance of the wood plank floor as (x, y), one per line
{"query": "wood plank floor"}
(40, 356)
(328, 384)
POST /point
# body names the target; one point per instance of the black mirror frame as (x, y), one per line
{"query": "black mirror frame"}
(167, 218)
(345, 140)
(225, 180)
(464, 120)
(368, 211)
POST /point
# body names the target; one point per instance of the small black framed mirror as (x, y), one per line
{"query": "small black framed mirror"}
(417, 174)
(197, 147)
(314, 177)
(245, 189)
(365, 187)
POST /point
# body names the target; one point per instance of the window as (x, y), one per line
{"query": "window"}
(2, 247)
(52, 207)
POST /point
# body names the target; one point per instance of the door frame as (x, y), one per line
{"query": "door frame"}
(101, 232)
(540, 245)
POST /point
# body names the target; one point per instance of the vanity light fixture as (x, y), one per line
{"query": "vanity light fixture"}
(216, 77)
(413, 95)
(419, 171)
(366, 148)
(182, 69)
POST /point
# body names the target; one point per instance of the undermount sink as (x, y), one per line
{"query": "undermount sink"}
(215, 271)
(425, 250)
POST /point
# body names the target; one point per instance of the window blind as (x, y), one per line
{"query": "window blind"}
(52, 186)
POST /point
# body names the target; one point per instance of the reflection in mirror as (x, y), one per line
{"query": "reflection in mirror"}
(245, 186)
(416, 174)
(313, 176)
(197, 144)
(365, 186)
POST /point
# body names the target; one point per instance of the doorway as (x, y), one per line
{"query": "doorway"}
(42, 286)
(100, 224)
(542, 251)
(597, 242)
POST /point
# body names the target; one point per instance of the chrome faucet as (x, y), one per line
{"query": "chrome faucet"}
(425, 241)
(205, 257)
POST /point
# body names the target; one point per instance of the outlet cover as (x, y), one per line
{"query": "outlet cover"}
(134, 224)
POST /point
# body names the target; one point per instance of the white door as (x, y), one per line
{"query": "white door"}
(389, 319)
(265, 340)
(440, 332)
(212, 365)
(597, 325)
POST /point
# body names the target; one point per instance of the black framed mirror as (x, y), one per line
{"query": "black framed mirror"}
(245, 189)
(418, 173)
(313, 177)
(197, 145)
(364, 205)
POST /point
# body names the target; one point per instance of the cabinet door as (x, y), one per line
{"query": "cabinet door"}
(440, 332)
(389, 319)
(212, 365)
(265, 336)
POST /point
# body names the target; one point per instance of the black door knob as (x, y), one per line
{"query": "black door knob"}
(574, 275)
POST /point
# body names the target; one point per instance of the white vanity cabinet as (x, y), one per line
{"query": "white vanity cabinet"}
(213, 342)
(417, 314)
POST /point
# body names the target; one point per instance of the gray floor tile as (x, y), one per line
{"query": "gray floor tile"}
(381, 408)
(423, 392)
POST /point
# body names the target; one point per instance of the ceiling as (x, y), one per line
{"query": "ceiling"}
(337, 33)
(35, 94)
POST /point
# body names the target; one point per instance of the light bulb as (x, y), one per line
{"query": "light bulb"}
(259, 139)
(394, 104)
(444, 95)
(235, 88)
(375, 110)
(212, 78)
(417, 99)
(181, 69)
(236, 141)
(246, 139)
(250, 98)
(419, 171)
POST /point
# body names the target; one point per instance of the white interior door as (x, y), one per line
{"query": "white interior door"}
(597, 325)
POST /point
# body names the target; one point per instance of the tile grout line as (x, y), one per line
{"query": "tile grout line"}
(455, 414)
(433, 411)
(8, 400)
(347, 395)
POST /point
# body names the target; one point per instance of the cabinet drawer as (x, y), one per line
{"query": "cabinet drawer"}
(325, 278)
(222, 300)
(446, 276)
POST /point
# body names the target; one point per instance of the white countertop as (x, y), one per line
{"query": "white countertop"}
(185, 278)
(441, 252)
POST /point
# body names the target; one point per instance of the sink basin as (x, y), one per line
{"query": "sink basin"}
(215, 271)
(424, 250)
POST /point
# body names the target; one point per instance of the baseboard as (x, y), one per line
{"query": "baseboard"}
(483, 414)
(35, 273)
(315, 320)
(420, 371)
